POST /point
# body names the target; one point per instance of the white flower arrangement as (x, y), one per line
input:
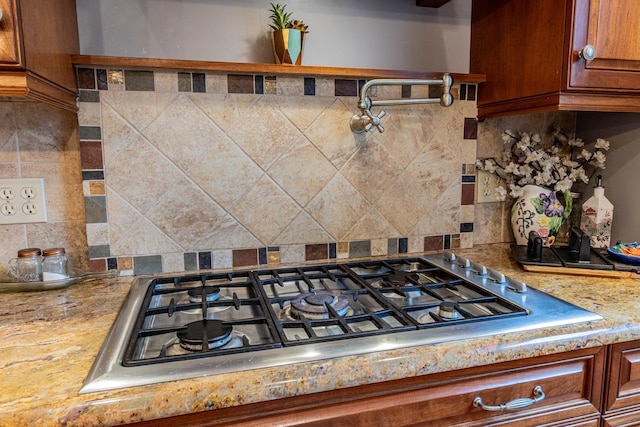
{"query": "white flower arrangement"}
(557, 166)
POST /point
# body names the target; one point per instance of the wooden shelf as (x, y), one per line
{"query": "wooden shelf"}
(271, 69)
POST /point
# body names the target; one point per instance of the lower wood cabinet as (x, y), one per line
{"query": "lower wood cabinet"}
(622, 395)
(572, 384)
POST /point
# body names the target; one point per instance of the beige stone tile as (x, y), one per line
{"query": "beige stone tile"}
(302, 171)
(96, 188)
(226, 173)
(70, 235)
(265, 210)
(415, 244)
(331, 134)
(173, 262)
(292, 254)
(264, 144)
(97, 234)
(302, 110)
(138, 108)
(8, 134)
(338, 207)
(466, 240)
(302, 230)
(440, 216)
(140, 166)
(397, 204)
(89, 114)
(14, 238)
(386, 92)
(222, 259)
(216, 83)
(371, 169)
(165, 81)
(371, 224)
(290, 85)
(183, 133)
(379, 247)
(117, 133)
(143, 238)
(121, 215)
(467, 213)
(229, 234)
(186, 223)
(226, 110)
(325, 87)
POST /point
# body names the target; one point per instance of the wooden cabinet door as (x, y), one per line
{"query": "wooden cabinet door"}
(623, 378)
(10, 52)
(612, 27)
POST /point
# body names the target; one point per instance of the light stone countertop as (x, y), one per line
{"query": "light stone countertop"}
(49, 340)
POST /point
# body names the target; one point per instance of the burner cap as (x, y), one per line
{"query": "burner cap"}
(215, 332)
(447, 310)
(212, 293)
(314, 304)
(400, 278)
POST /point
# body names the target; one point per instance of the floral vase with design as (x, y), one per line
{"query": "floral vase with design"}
(539, 209)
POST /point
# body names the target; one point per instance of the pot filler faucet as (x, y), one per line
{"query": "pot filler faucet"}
(364, 122)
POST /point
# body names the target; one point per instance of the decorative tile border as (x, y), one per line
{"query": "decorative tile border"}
(92, 81)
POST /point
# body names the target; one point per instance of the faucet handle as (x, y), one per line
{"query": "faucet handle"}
(375, 120)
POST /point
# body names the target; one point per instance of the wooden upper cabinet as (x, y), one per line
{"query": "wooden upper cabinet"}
(530, 52)
(37, 39)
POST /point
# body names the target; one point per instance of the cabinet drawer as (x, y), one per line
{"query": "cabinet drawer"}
(10, 52)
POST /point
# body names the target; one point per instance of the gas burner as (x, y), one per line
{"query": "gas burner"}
(313, 305)
(448, 310)
(400, 278)
(194, 334)
(212, 293)
(238, 340)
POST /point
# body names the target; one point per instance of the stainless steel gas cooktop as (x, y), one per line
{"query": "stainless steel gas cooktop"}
(193, 325)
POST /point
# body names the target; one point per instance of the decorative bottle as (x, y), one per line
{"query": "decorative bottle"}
(597, 216)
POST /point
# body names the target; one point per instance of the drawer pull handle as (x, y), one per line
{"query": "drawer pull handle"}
(512, 404)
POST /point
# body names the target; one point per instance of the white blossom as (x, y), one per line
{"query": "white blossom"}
(602, 144)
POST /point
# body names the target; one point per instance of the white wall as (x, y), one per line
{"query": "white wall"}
(386, 34)
(622, 174)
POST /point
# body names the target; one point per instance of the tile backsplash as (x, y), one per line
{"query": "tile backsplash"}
(185, 171)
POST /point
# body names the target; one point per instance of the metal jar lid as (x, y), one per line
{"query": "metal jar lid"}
(53, 251)
(29, 252)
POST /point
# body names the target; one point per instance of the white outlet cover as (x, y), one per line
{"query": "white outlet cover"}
(28, 203)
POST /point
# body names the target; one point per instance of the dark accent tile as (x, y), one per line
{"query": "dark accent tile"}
(97, 265)
(360, 249)
(89, 96)
(392, 246)
(346, 87)
(138, 80)
(433, 243)
(360, 84)
(91, 155)
(468, 178)
(90, 132)
(316, 252)
(466, 227)
(447, 241)
(435, 91)
(95, 209)
(463, 92)
(273, 249)
(403, 245)
(471, 93)
(99, 251)
(406, 91)
(199, 82)
(204, 260)
(237, 83)
(190, 261)
(92, 175)
(309, 86)
(102, 79)
(149, 264)
(468, 190)
(470, 128)
(259, 84)
(112, 263)
(245, 257)
(184, 82)
(86, 78)
(262, 256)
(332, 251)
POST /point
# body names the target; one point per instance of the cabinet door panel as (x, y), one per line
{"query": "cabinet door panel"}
(624, 376)
(9, 40)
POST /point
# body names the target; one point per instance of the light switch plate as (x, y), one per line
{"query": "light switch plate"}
(22, 201)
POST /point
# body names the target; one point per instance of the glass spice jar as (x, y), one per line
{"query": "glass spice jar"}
(27, 267)
(54, 264)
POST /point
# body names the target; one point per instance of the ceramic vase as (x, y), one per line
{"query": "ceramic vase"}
(542, 210)
(287, 46)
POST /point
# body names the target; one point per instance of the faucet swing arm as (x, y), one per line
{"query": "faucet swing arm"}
(364, 122)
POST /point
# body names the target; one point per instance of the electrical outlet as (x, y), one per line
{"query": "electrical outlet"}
(22, 201)
(486, 184)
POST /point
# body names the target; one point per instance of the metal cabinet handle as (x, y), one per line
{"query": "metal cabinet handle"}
(588, 52)
(512, 404)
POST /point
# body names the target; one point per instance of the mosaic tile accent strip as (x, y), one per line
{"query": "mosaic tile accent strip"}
(318, 121)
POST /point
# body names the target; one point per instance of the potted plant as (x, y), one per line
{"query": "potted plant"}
(287, 37)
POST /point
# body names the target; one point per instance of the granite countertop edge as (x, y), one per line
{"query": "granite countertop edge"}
(50, 339)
